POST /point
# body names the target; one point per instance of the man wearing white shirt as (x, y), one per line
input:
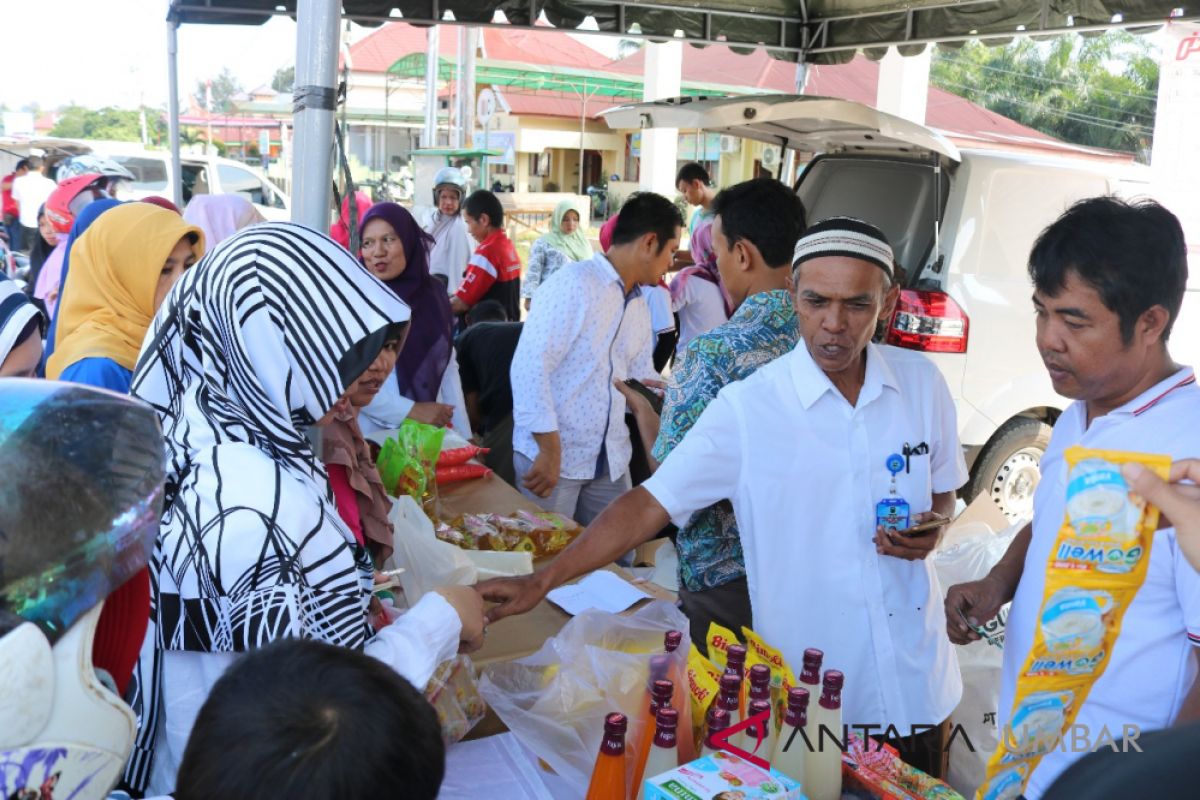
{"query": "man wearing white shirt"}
(1109, 281)
(802, 449)
(31, 191)
(589, 328)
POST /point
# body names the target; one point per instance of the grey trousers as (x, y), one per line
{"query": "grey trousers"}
(581, 500)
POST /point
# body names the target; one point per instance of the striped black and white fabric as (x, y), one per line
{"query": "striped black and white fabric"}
(250, 348)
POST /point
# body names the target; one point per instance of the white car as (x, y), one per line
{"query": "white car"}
(962, 224)
(202, 174)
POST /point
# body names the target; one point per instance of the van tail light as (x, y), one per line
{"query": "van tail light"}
(928, 321)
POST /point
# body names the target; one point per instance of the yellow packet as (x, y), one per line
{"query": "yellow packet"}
(1095, 569)
(718, 642)
(782, 679)
(704, 682)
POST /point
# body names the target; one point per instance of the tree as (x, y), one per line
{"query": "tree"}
(224, 87)
(1098, 91)
(114, 124)
(284, 80)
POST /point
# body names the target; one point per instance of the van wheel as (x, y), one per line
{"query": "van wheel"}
(1008, 467)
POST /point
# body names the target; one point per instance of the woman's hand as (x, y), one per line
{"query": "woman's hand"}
(438, 414)
(468, 604)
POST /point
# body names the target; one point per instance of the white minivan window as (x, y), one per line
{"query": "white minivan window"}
(149, 174)
(235, 180)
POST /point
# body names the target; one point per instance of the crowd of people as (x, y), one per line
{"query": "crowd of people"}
(268, 351)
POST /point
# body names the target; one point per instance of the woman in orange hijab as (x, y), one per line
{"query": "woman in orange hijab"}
(121, 271)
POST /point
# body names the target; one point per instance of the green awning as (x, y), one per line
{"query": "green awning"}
(533, 78)
(820, 31)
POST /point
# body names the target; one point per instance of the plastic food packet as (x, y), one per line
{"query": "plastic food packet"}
(407, 462)
(876, 770)
(782, 678)
(461, 472)
(718, 641)
(704, 683)
(453, 691)
(1097, 565)
(460, 455)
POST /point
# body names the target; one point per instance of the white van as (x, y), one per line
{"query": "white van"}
(202, 174)
(962, 224)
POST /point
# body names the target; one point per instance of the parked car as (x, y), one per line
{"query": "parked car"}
(202, 174)
(962, 224)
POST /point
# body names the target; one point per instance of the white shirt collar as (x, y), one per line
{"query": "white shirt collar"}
(1147, 399)
(811, 382)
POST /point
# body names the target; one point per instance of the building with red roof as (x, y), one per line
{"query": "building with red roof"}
(542, 131)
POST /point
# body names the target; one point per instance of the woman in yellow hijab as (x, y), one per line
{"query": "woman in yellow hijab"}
(121, 271)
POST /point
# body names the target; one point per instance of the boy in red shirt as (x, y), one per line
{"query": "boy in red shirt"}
(494, 272)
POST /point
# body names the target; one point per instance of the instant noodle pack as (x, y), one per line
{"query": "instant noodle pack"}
(1096, 567)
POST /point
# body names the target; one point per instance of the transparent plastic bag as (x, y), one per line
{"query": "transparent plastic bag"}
(428, 562)
(555, 700)
(970, 559)
(453, 691)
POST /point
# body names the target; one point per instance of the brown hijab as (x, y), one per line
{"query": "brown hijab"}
(344, 444)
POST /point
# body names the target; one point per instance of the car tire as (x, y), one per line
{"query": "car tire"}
(1007, 468)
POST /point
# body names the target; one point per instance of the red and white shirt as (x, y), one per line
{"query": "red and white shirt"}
(1152, 667)
(494, 273)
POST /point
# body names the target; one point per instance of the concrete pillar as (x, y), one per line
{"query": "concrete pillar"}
(1175, 170)
(664, 66)
(318, 36)
(904, 84)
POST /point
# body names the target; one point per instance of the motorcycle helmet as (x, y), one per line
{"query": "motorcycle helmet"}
(79, 509)
(94, 165)
(449, 178)
(71, 197)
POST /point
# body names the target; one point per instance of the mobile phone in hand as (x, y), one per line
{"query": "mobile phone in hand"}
(655, 399)
(925, 527)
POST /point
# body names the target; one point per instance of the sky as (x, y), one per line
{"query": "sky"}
(114, 52)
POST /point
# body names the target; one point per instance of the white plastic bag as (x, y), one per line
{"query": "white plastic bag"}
(970, 559)
(428, 562)
(555, 701)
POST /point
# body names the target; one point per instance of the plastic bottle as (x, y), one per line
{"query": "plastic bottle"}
(760, 683)
(735, 660)
(766, 748)
(823, 768)
(791, 751)
(717, 721)
(729, 700)
(810, 675)
(660, 697)
(608, 776)
(664, 754)
(677, 672)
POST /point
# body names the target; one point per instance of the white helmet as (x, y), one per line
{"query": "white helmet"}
(63, 732)
(449, 178)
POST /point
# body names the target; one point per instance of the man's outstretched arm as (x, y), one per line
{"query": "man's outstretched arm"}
(632, 519)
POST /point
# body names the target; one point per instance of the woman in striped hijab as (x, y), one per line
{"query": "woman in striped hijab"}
(257, 345)
(20, 332)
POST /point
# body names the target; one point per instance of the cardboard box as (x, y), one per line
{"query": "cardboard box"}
(705, 778)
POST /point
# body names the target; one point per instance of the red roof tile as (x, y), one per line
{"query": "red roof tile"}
(381, 48)
(857, 80)
(716, 64)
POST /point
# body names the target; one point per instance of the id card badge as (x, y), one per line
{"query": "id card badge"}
(892, 513)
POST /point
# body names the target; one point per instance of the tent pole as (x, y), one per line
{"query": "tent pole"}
(582, 122)
(173, 106)
(318, 33)
(432, 63)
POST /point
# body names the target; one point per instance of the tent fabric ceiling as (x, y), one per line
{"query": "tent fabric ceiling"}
(820, 31)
